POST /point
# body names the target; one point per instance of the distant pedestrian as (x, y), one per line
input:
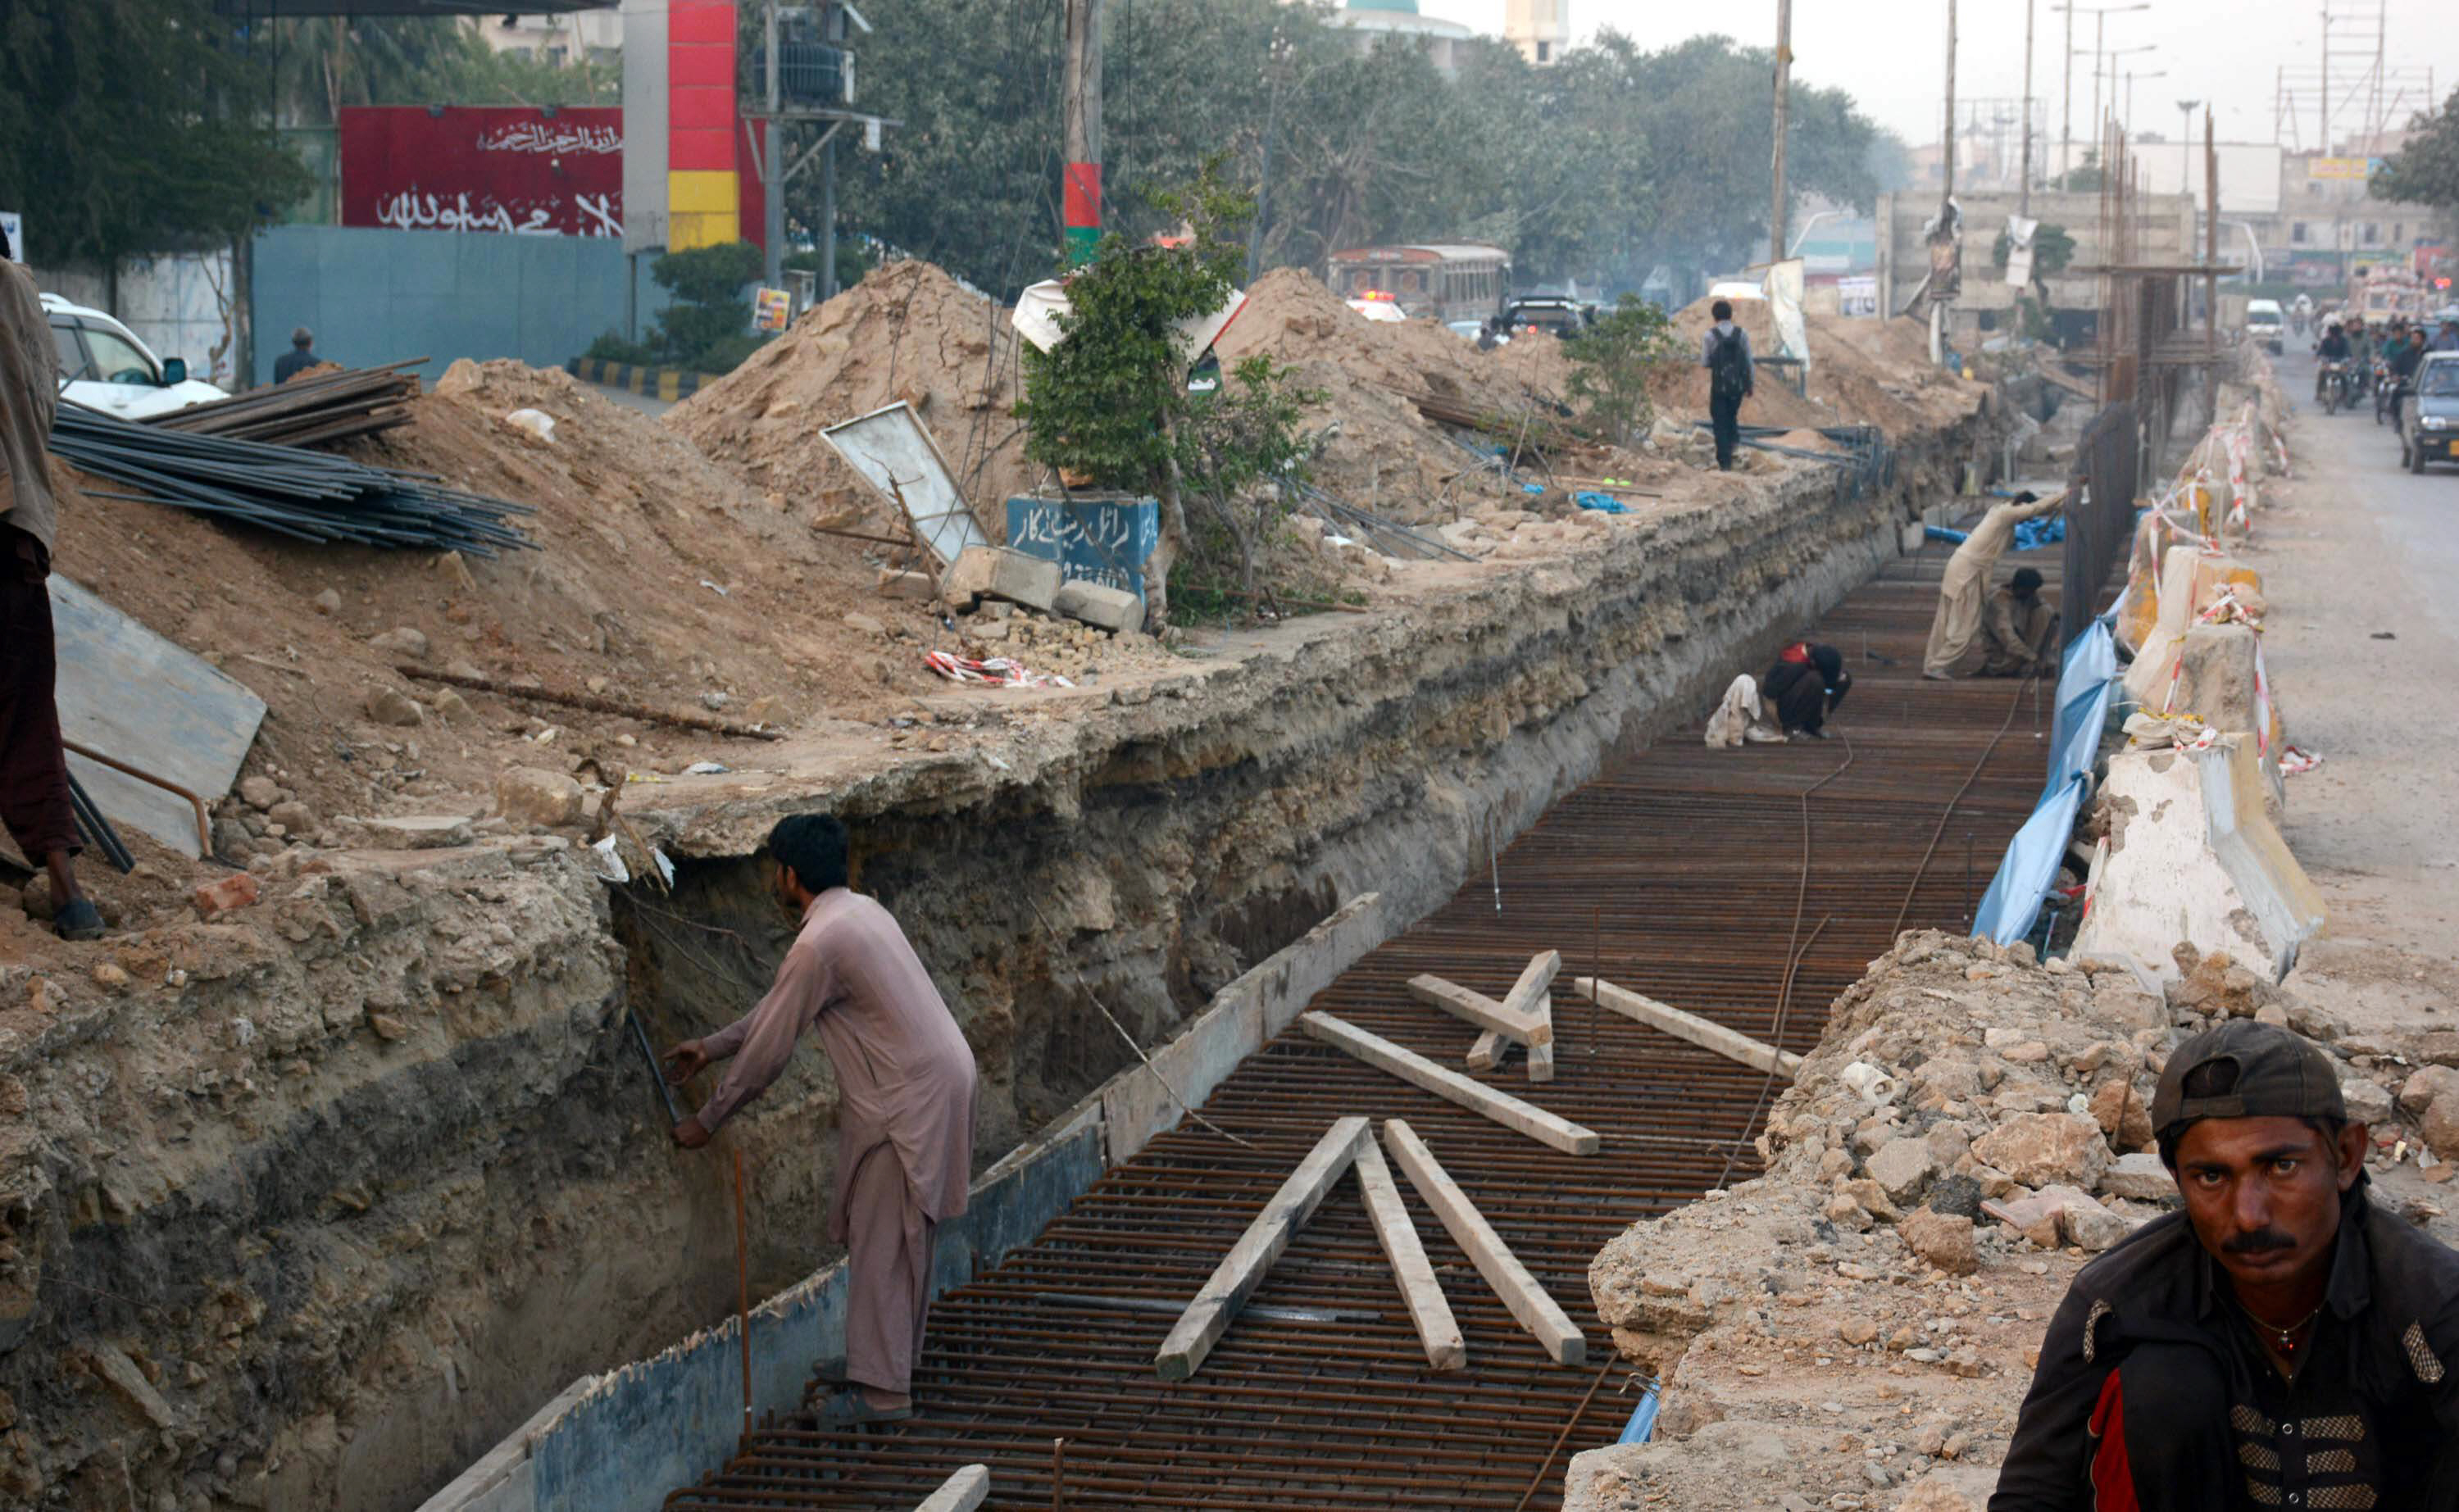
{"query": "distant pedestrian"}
(1725, 351)
(2446, 339)
(301, 356)
(33, 765)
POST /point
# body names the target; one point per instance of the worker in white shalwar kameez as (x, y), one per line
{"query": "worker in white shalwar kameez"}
(1965, 590)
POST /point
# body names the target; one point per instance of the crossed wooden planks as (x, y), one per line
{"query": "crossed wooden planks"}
(1348, 1144)
(1524, 1017)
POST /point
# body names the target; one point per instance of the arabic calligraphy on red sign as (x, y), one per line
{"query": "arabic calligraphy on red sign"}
(505, 170)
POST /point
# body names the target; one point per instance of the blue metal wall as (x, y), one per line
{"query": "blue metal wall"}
(374, 296)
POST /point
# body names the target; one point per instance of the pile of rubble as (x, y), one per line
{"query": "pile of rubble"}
(908, 332)
(1859, 1325)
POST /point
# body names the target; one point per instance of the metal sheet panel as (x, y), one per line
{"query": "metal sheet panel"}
(895, 454)
(129, 693)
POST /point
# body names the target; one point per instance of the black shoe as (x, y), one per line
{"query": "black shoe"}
(80, 920)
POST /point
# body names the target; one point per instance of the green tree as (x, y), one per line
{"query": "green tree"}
(1109, 403)
(126, 129)
(705, 328)
(2425, 168)
(1611, 361)
(328, 63)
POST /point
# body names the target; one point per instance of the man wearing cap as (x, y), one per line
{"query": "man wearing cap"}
(905, 1102)
(1963, 586)
(2280, 1343)
(2016, 630)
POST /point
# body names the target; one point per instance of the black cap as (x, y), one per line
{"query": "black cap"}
(2026, 581)
(2259, 1071)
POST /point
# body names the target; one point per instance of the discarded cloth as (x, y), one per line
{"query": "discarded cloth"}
(998, 672)
(1602, 503)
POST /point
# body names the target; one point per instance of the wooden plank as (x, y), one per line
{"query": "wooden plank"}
(1494, 1260)
(1241, 1269)
(1527, 1117)
(1437, 1328)
(1523, 1027)
(1535, 982)
(1488, 1051)
(962, 1492)
(1540, 1056)
(1700, 1032)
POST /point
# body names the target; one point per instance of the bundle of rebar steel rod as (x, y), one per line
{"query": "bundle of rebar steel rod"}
(315, 408)
(308, 496)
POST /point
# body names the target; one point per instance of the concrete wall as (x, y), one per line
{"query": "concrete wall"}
(179, 306)
(619, 1442)
(376, 296)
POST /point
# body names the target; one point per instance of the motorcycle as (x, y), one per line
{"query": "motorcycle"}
(2336, 390)
(2386, 392)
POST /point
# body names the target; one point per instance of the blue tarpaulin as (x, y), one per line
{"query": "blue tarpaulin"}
(2086, 688)
(1642, 1426)
(2014, 896)
(1602, 503)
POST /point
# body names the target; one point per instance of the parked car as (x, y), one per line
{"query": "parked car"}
(1554, 314)
(2265, 322)
(104, 366)
(2429, 414)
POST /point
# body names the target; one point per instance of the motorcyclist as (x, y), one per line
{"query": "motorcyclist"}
(2333, 347)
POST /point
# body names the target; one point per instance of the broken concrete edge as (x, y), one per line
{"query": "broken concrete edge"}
(616, 1442)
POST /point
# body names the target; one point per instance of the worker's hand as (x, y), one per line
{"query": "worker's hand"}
(690, 1134)
(686, 1062)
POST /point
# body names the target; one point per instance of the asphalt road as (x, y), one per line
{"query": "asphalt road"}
(2416, 516)
(2360, 569)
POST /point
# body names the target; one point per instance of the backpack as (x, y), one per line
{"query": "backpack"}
(1729, 370)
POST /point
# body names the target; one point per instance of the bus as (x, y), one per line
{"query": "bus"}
(1442, 282)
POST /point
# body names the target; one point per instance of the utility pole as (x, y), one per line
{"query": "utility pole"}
(2024, 176)
(2100, 25)
(2065, 127)
(1081, 193)
(1946, 154)
(2185, 143)
(772, 162)
(1783, 102)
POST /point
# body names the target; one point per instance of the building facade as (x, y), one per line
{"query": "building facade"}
(1540, 29)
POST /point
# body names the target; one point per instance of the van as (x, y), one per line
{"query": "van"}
(2263, 323)
(104, 366)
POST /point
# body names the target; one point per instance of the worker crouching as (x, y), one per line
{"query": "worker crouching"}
(906, 1086)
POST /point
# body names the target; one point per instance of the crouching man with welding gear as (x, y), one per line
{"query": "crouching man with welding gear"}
(2282, 1342)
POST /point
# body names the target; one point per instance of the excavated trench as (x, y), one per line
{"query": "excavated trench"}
(321, 1208)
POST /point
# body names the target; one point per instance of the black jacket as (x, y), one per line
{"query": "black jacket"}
(2386, 1348)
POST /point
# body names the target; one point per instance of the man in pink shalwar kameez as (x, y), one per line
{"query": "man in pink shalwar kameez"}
(905, 1110)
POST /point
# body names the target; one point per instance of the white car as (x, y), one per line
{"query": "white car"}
(104, 366)
(2262, 322)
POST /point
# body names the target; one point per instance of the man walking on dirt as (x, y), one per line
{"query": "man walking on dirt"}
(2282, 1342)
(1965, 584)
(905, 1110)
(33, 765)
(1725, 351)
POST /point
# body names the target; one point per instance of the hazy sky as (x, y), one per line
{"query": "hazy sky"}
(1891, 55)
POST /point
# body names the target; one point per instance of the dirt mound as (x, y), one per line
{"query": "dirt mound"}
(907, 331)
(662, 579)
(1386, 454)
(1861, 372)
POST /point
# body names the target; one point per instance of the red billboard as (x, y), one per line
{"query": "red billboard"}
(507, 169)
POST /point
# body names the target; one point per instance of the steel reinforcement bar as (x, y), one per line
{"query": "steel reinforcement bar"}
(1675, 873)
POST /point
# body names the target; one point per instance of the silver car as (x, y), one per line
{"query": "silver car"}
(2429, 414)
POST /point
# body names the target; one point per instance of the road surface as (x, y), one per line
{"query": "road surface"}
(2360, 567)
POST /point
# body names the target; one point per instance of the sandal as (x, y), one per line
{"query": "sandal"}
(851, 1409)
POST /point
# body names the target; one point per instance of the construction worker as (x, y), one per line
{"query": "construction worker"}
(1804, 686)
(905, 1102)
(33, 765)
(301, 356)
(2285, 1341)
(1725, 351)
(1963, 587)
(2017, 627)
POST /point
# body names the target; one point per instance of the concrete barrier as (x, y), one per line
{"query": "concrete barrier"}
(2195, 856)
(619, 1442)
